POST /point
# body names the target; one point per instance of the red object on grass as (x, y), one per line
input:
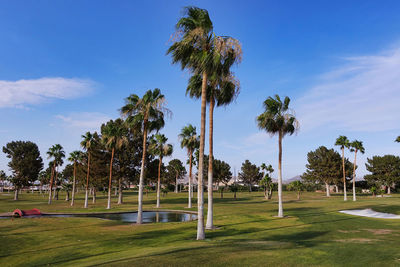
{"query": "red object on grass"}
(21, 213)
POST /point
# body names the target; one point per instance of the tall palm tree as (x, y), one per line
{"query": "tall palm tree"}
(75, 157)
(343, 142)
(160, 148)
(114, 136)
(277, 119)
(189, 140)
(356, 146)
(193, 52)
(198, 49)
(87, 143)
(57, 153)
(397, 139)
(148, 114)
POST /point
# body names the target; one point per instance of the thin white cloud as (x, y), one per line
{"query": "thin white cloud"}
(361, 95)
(82, 121)
(32, 92)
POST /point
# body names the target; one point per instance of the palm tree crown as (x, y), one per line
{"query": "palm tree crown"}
(148, 110)
(397, 139)
(194, 34)
(56, 152)
(114, 134)
(88, 140)
(75, 156)
(159, 146)
(267, 169)
(277, 118)
(189, 138)
(343, 142)
(357, 146)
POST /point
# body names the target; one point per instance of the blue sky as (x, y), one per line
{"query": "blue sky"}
(66, 66)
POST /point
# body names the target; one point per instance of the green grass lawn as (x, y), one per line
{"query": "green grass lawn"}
(314, 233)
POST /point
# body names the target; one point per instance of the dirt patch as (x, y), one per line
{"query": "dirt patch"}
(349, 231)
(380, 231)
(357, 240)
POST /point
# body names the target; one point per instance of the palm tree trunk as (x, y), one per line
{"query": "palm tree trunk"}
(73, 186)
(344, 176)
(336, 188)
(87, 182)
(176, 183)
(210, 224)
(159, 182)
(190, 179)
(389, 190)
(51, 181)
(328, 192)
(298, 195)
(120, 200)
(94, 195)
(141, 179)
(16, 193)
(354, 175)
(270, 193)
(67, 196)
(280, 204)
(200, 200)
(110, 180)
(56, 190)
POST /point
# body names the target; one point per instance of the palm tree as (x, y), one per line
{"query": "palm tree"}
(193, 51)
(87, 143)
(266, 169)
(397, 139)
(114, 136)
(343, 142)
(198, 49)
(160, 148)
(189, 140)
(146, 113)
(267, 180)
(277, 119)
(57, 153)
(356, 146)
(296, 186)
(74, 157)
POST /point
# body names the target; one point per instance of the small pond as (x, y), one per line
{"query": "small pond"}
(129, 217)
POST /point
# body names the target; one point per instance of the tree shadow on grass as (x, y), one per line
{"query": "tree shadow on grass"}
(138, 239)
(275, 242)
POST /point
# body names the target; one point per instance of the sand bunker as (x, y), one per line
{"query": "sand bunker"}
(372, 214)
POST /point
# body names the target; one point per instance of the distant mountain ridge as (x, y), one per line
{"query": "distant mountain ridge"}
(295, 178)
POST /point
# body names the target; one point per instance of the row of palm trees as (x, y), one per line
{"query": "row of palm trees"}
(354, 146)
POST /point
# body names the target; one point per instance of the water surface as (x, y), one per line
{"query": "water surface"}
(131, 217)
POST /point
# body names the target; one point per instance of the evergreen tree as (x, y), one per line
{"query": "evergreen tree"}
(250, 174)
(324, 166)
(25, 163)
(385, 171)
